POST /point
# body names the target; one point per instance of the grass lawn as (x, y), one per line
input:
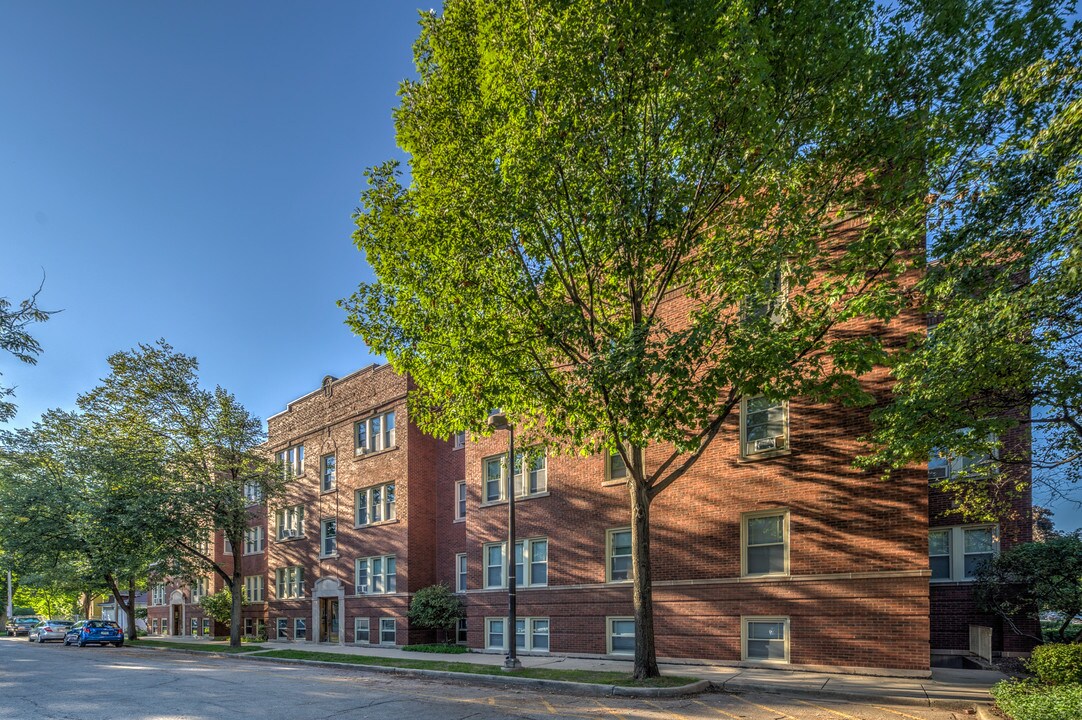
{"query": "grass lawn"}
(583, 676)
(438, 648)
(194, 647)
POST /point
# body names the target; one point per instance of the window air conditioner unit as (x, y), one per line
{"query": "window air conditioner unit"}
(938, 473)
(771, 443)
(291, 532)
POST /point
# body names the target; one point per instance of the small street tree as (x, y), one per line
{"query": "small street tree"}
(15, 339)
(436, 608)
(575, 168)
(1034, 578)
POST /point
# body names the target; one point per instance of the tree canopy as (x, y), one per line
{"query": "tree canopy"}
(622, 218)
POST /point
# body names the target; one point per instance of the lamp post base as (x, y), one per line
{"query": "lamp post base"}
(510, 663)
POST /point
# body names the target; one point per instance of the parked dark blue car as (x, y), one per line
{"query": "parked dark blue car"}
(101, 632)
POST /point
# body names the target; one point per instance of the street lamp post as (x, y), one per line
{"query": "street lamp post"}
(499, 421)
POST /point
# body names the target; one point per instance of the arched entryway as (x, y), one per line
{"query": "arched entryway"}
(328, 602)
(176, 613)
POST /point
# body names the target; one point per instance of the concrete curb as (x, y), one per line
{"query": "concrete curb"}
(881, 698)
(561, 686)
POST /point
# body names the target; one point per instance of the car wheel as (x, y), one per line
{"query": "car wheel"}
(119, 644)
(66, 642)
(41, 640)
(82, 644)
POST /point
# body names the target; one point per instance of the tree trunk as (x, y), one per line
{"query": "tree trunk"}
(235, 591)
(645, 655)
(88, 599)
(129, 606)
(132, 628)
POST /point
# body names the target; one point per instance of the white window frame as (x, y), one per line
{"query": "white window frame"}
(287, 519)
(461, 576)
(744, 636)
(227, 546)
(387, 576)
(462, 632)
(254, 540)
(943, 467)
(289, 582)
(291, 460)
(956, 539)
(460, 501)
(324, 538)
(609, 556)
(281, 628)
(527, 552)
(749, 453)
(366, 498)
(458, 440)
(522, 477)
(328, 475)
(200, 587)
(206, 626)
(379, 433)
(298, 623)
(253, 493)
(253, 587)
(610, 633)
(744, 540)
(394, 630)
(195, 627)
(609, 476)
(366, 623)
(157, 597)
(529, 634)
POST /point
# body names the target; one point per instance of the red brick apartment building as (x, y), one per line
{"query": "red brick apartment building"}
(772, 550)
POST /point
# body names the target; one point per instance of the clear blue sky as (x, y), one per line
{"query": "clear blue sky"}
(188, 171)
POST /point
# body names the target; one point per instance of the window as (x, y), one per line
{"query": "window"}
(458, 440)
(375, 504)
(227, 546)
(374, 434)
(766, 639)
(621, 635)
(292, 461)
(460, 500)
(765, 539)
(300, 628)
(283, 628)
(531, 634)
(289, 583)
(328, 537)
(460, 632)
(253, 492)
(494, 476)
(768, 297)
(290, 522)
(206, 626)
(535, 552)
(494, 633)
(199, 589)
(249, 626)
(616, 468)
(253, 540)
(956, 553)
(154, 626)
(195, 626)
(943, 466)
(157, 597)
(764, 426)
(253, 588)
(327, 472)
(376, 575)
(618, 544)
(386, 631)
(360, 630)
(460, 572)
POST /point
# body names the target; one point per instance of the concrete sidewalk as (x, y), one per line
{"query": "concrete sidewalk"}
(946, 688)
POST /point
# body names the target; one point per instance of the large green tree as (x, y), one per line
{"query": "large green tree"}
(15, 338)
(574, 166)
(1005, 357)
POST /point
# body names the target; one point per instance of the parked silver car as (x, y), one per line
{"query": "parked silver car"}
(49, 630)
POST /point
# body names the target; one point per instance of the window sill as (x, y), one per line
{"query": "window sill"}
(613, 483)
(619, 582)
(951, 581)
(328, 492)
(329, 557)
(376, 524)
(764, 456)
(760, 576)
(361, 455)
(258, 552)
(518, 498)
(289, 539)
(460, 520)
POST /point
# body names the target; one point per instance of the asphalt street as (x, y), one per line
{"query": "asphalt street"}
(53, 682)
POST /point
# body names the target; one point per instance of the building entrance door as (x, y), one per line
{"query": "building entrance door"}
(328, 620)
(176, 621)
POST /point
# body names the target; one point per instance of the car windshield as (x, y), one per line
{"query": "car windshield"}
(60, 623)
(31, 621)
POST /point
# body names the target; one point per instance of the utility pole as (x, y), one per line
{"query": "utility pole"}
(10, 608)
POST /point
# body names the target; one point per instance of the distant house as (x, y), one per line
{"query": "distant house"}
(110, 609)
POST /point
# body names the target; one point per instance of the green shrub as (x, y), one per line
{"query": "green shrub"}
(436, 608)
(1056, 663)
(438, 648)
(1030, 700)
